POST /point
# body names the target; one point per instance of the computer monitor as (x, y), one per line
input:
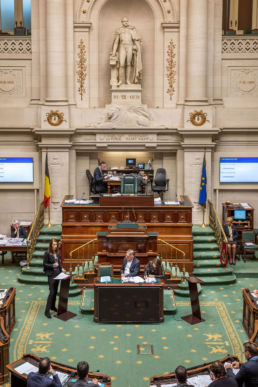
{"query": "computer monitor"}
(240, 214)
(131, 163)
(141, 166)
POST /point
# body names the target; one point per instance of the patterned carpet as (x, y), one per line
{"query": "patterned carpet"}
(112, 349)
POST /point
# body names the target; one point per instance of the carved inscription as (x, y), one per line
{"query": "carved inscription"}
(142, 138)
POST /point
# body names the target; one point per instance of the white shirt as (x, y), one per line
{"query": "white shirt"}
(127, 268)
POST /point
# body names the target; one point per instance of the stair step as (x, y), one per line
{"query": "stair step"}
(54, 229)
(204, 239)
(36, 262)
(183, 290)
(207, 263)
(41, 246)
(198, 230)
(206, 254)
(212, 271)
(205, 247)
(224, 279)
(36, 271)
(38, 254)
(47, 238)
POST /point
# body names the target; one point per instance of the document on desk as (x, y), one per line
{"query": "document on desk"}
(61, 276)
(105, 279)
(136, 280)
(26, 368)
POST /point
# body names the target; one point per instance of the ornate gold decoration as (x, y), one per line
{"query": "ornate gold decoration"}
(55, 117)
(81, 68)
(198, 118)
(171, 65)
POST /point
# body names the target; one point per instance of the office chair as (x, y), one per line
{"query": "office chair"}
(161, 182)
(129, 185)
(91, 182)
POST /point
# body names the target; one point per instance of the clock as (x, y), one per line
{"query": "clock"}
(55, 118)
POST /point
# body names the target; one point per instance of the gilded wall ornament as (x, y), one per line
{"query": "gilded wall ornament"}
(198, 118)
(55, 118)
(171, 66)
(81, 68)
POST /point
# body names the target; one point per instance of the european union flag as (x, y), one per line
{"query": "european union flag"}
(203, 193)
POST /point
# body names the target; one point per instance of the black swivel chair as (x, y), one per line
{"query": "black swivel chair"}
(91, 182)
(161, 182)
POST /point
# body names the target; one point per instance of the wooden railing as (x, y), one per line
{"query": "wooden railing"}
(170, 255)
(37, 224)
(83, 257)
(215, 224)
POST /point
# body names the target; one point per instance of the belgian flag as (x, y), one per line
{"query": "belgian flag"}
(47, 185)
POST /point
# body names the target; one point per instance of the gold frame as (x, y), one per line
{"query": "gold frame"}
(194, 118)
(52, 114)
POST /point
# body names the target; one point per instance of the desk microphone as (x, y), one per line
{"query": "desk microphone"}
(94, 371)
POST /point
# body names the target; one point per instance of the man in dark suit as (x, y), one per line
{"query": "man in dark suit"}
(100, 177)
(181, 377)
(231, 234)
(131, 265)
(41, 378)
(82, 381)
(248, 372)
(219, 376)
(18, 231)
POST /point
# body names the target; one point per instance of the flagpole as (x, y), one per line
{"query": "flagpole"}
(48, 212)
(203, 216)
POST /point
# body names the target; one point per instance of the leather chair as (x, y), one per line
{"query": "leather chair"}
(129, 185)
(161, 182)
(91, 182)
(249, 245)
(105, 270)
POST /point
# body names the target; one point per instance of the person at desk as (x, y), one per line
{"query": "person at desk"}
(154, 269)
(18, 231)
(181, 377)
(100, 177)
(82, 381)
(219, 376)
(142, 181)
(41, 378)
(231, 234)
(52, 267)
(248, 372)
(131, 265)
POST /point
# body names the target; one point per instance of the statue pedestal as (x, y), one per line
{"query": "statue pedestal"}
(127, 95)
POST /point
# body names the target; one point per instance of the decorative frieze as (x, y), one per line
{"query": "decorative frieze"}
(171, 68)
(239, 45)
(15, 46)
(81, 68)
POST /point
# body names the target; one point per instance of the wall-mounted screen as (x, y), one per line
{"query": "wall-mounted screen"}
(240, 214)
(238, 170)
(16, 170)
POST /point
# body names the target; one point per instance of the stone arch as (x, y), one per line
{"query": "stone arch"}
(168, 8)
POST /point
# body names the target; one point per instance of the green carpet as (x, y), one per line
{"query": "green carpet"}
(113, 348)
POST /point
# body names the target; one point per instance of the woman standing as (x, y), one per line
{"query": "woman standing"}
(52, 267)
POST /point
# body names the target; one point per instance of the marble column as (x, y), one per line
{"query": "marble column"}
(70, 51)
(35, 43)
(56, 92)
(182, 51)
(197, 46)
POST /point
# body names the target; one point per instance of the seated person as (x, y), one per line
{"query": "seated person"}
(248, 372)
(231, 234)
(82, 372)
(18, 231)
(181, 377)
(100, 178)
(142, 180)
(131, 265)
(154, 269)
(219, 376)
(41, 378)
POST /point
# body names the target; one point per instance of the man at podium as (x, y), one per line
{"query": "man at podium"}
(131, 265)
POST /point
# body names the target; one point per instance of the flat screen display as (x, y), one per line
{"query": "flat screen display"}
(141, 166)
(240, 214)
(130, 162)
(16, 170)
(238, 170)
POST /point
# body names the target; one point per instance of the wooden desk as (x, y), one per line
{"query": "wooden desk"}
(20, 380)
(170, 378)
(7, 310)
(128, 303)
(4, 352)
(173, 223)
(113, 183)
(13, 249)
(127, 201)
(250, 313)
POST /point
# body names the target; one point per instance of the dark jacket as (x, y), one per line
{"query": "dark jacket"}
(100, 184)
(248, 373)
(150, 270)
(82, 383)
(22, 232)
(38, 380)
(134, 269)
(224, 382)
(234, 232)
(48, 262)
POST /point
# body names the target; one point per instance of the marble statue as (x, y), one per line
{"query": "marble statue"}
(125, 59)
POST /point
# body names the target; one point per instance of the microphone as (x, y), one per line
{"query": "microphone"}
(94, 371)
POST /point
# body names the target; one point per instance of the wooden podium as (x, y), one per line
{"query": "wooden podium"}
(62, 312)
(195, 317)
